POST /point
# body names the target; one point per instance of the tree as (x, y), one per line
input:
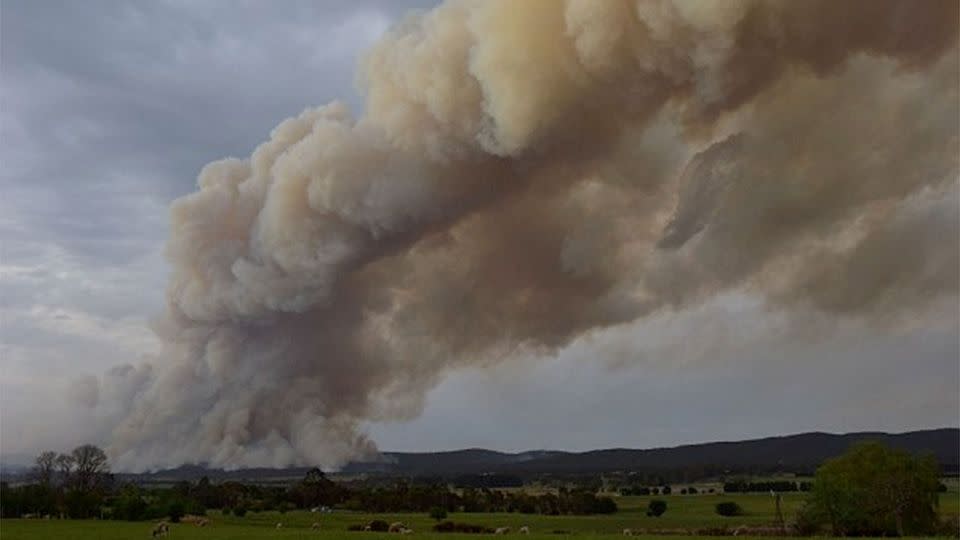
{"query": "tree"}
(64, 464)
(875, 490)
(44, 468)
(90, 467)
(656, 508)
(729, 508)
(438, 513)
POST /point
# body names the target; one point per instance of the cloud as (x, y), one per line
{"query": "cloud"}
(641, 184)
(109, 111)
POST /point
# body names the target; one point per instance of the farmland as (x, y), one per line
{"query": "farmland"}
(684, 512)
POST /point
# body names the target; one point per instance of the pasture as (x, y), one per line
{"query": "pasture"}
(684, 512)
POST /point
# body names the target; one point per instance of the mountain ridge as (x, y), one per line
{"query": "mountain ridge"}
(800, 452)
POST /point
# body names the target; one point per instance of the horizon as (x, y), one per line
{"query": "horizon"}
(25, 461)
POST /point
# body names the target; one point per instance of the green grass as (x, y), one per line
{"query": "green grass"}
(686, 512)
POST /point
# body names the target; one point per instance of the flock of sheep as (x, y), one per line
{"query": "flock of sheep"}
(162, 529)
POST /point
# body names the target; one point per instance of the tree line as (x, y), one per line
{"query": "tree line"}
(778, 486)
(65, 485)
(79, 485)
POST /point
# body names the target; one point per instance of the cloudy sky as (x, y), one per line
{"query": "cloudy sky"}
(110, 109)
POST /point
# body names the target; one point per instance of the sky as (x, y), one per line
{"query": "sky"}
(110, 110)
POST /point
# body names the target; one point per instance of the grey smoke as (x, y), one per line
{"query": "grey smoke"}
(524, 174)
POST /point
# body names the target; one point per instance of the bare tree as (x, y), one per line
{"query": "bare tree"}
(90, 467)
(44, 468)
(64, 463)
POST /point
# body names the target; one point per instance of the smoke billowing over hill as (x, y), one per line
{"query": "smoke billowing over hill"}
(526, 173)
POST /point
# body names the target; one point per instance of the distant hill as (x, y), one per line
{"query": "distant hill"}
(803, 452)
(800, 453)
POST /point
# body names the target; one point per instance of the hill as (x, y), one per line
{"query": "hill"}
(794, 453)
(800, 453)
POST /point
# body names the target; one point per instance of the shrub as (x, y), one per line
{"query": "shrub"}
(449, 526)
(877, 491)
(729, 508)
(379, 525)
(438, 513)
(656, 508)
(240, 511)
(175, 511)
(226, 511)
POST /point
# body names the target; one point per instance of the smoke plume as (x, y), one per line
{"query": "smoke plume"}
(525, 173)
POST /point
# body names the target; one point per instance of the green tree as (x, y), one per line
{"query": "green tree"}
(656, 508)
(729, 508)
(438, 513)
(875, 490)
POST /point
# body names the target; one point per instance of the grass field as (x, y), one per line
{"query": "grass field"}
(687, 512)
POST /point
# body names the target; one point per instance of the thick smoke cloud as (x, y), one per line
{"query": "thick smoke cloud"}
(525, 173)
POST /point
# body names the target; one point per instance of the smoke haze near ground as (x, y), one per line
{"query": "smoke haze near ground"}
(525, 174)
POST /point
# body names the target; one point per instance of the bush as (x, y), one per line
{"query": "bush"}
(226, 511)
(656, 508)
(175, 511)
(729, 508)
(666, 490)
(240, 511)
(449, 527)
(877, 491)
(379, 525)
(807, 522)
(438, 513)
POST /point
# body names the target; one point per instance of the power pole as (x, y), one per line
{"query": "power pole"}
(776, 498)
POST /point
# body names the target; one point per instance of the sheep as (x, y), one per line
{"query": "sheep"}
(524, 530)
(203, 522)
(367, 528)
(160, 529)
(396, 527)
(316, 526)
(406, 531)
(744, 530)
(628, 532)
(502, 530)
(279, 525)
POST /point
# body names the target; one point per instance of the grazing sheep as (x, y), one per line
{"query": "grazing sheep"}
(502, 530)
(279, 525)
(396, 527)
(406, 531)
(160, 529)
(628, 532)
(744, 530)
(316, 526)
(524, 530)
(203, 522)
